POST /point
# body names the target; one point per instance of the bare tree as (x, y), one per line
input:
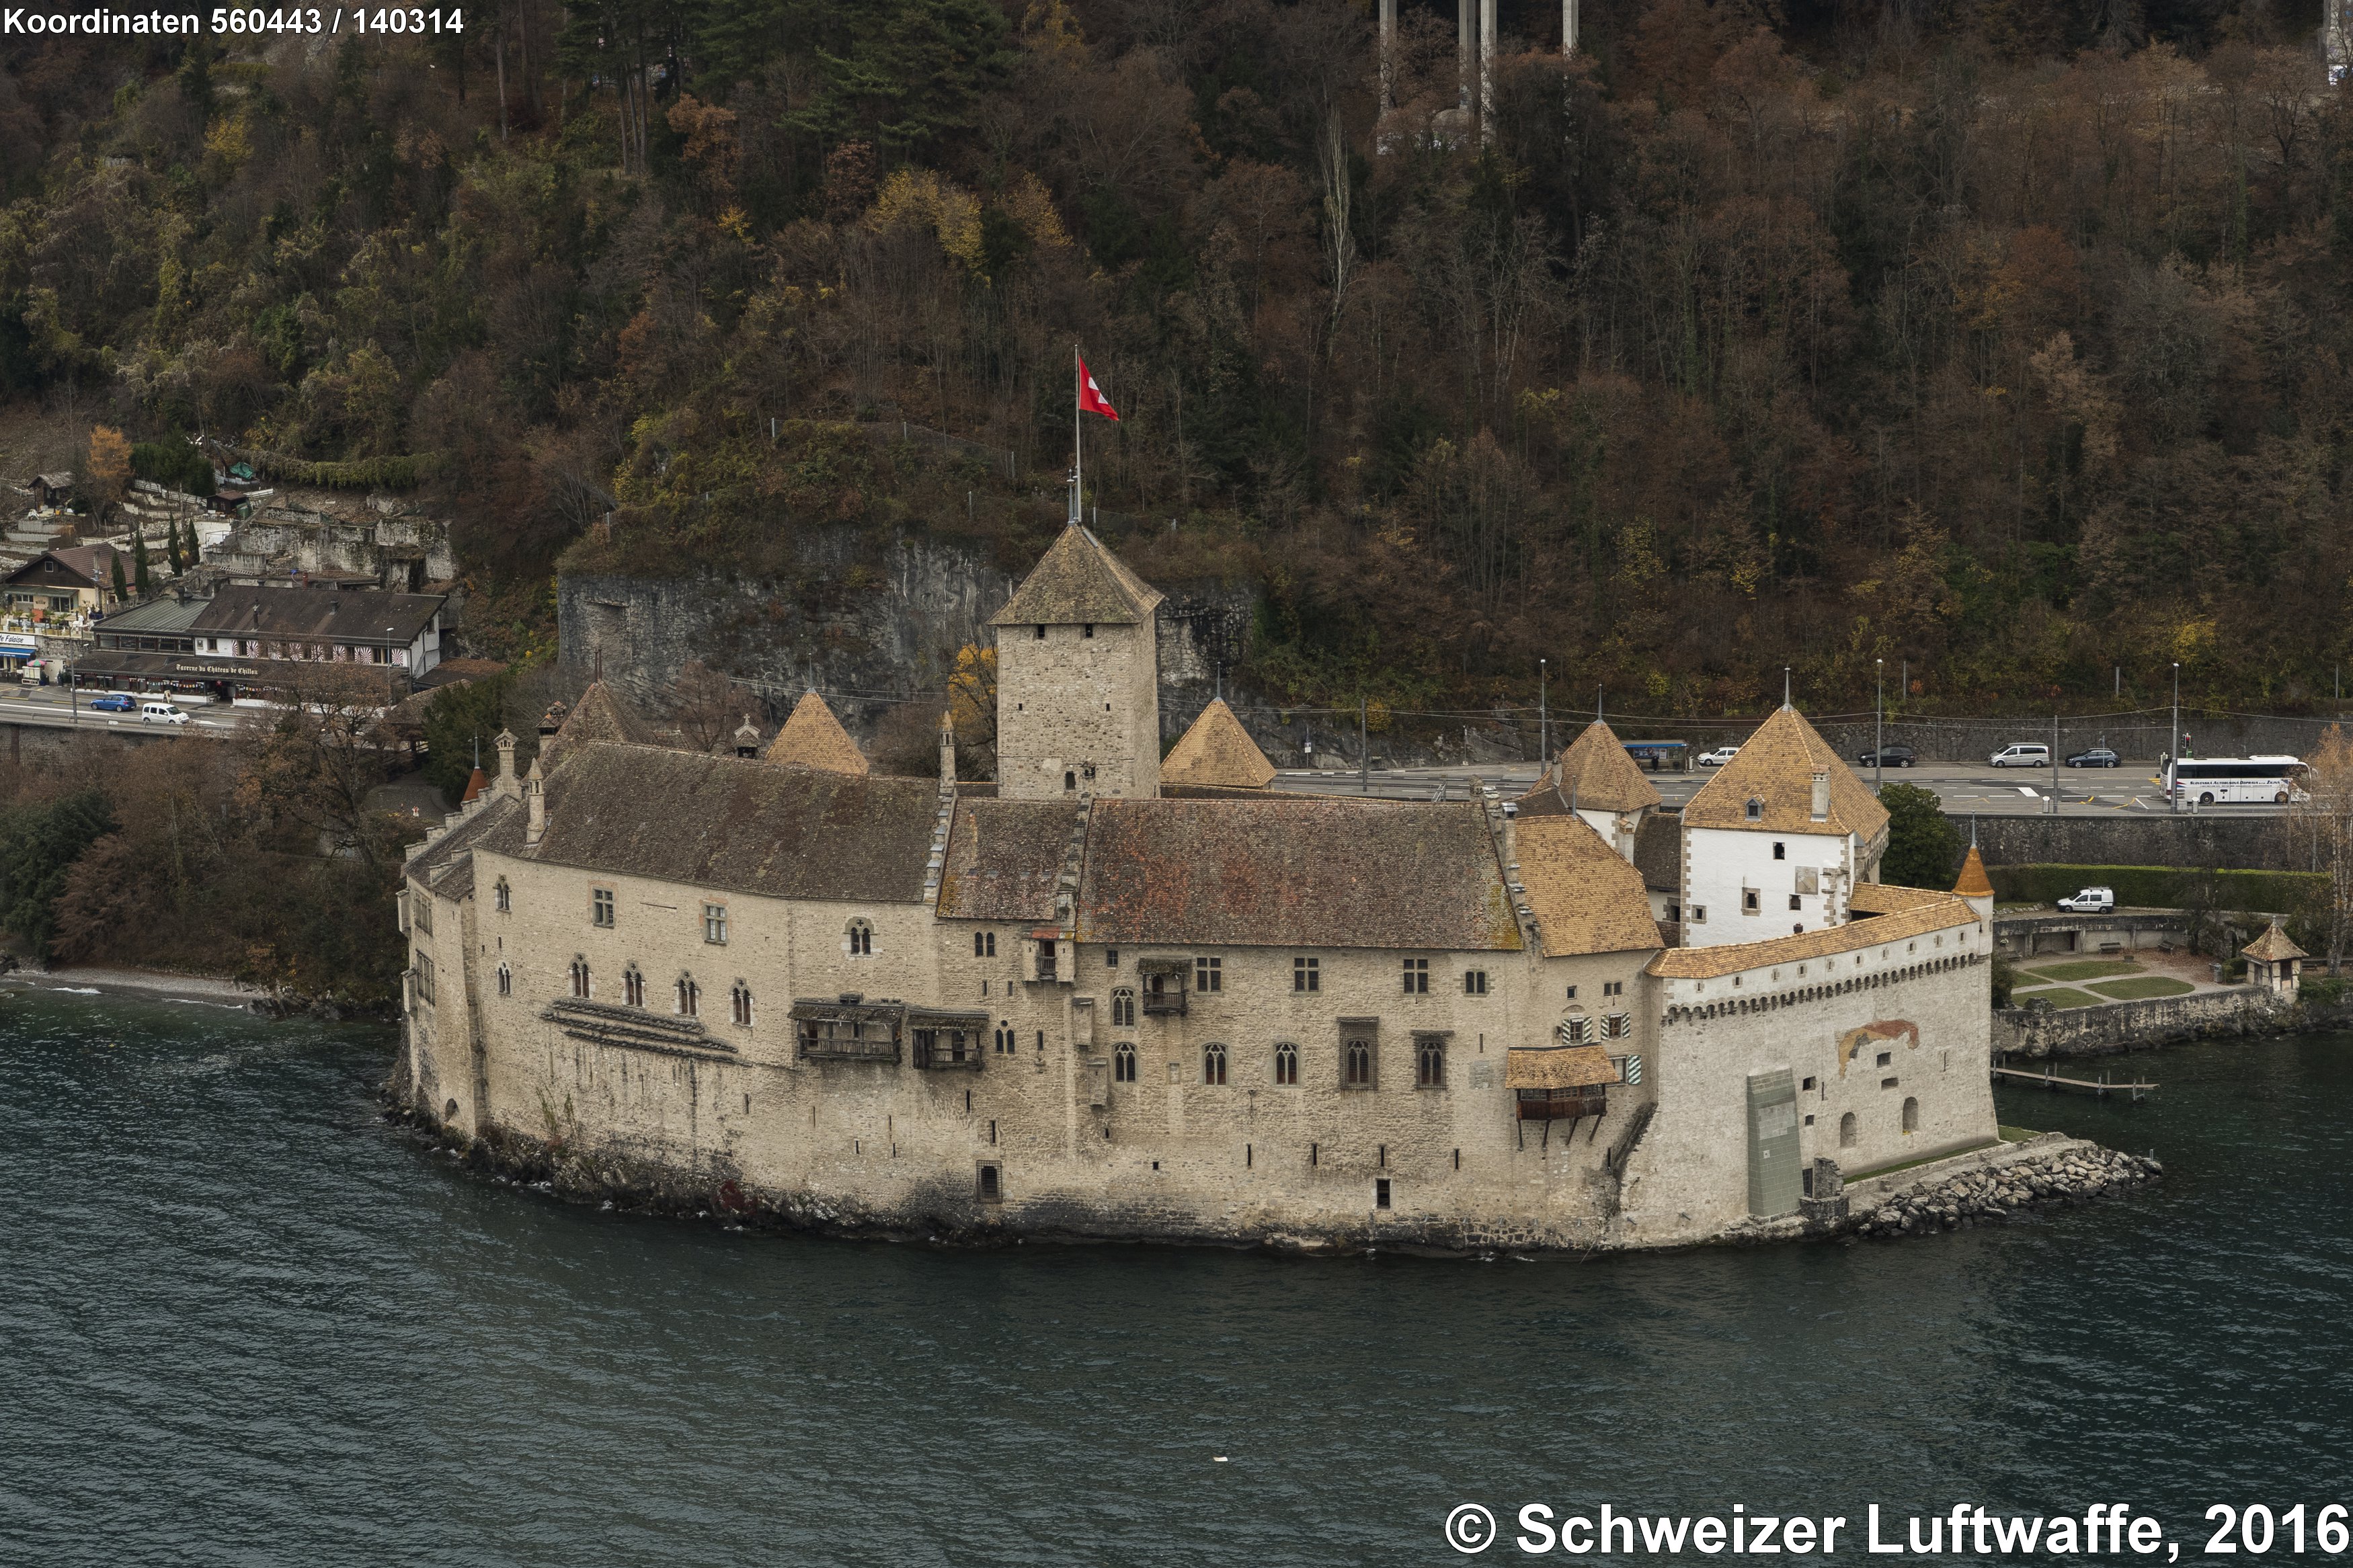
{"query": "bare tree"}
(2319, 825)
(706, 707)
(320, 757)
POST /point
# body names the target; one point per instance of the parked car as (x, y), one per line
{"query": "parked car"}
(1718, 757)
(152, 712)
(1889, 756)
(112, 702)
(2097, 757)
(2024, 755)
(2089, 901)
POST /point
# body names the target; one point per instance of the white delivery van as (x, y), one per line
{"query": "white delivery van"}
(2024, 755)
(153, 712)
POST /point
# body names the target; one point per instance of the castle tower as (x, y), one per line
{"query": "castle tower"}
(1078, 678)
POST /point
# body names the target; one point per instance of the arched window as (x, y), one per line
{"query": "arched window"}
(1286, 1064)
(1213, 1064)
(1910, 1116)
(506, 980)
(1122, 1009)
(741, 999)
(1358, 1070)
(1122, 1064)
(1004, 1039)
(580, 977)
(633, 987)
(504, 894)
(1846, 1131)
(690, 995)
(1755, 809)
(1430, 1064)
(859, 940)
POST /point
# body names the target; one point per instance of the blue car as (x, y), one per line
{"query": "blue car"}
(112, 702)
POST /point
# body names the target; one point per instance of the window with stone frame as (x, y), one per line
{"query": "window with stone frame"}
(689, 995)
(984, 945)
(600, 906)
(1359, 1058)
(580, 978)
(1122, 1064)
(420, 912)
(1286, 1064)
(1474, 983)
(503, 895)
(506, 980)
(1209, 974)
(424, 978)
(714, 924)
(858, 939)
(1430, 1061)
(1213, 1064)
(1417, 977)
(739, 1001)
(1122, 1008)
(1306, 974)
(633, 987)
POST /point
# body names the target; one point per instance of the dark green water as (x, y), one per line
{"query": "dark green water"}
(242, 1320)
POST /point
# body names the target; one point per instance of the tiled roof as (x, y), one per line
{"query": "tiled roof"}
(1943, 913)
(1974, 882)
(328, 615)
(814, 738)
(1775, 768)
(1004, 857)
(1890, 898)
(1078, 579)
(1659, 851)
(1217, 750)
(432, 862)
(1294, 871)
(2272, 946)
(1596, 774)
(93, 563)
(599, 715)
(1585, 896)
(736, 822)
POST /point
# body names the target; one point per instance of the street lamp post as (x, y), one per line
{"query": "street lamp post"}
(1544, 713)
(2173, 747)
(1879, 727)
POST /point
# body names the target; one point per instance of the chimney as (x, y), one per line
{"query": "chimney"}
(947, 752)
(1821, 794)
(535, 796)
(506, 783)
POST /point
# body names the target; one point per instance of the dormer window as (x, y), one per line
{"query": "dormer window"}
(1755, 809)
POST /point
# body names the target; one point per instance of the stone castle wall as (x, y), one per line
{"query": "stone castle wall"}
(1077, 700)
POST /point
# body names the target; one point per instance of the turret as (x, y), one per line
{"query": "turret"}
(1078, 678)
(534, 798)
(947, 752)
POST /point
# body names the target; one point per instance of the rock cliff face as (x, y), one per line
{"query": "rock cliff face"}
(867, 628)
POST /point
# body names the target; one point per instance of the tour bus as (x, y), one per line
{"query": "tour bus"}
(2225, 780)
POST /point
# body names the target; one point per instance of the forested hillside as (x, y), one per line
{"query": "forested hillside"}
(2009, 339)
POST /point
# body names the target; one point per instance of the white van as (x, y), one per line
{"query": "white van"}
(2024, 755)
(153, 712)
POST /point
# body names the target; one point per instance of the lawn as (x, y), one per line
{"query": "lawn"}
(2084, 969)
(2061, 997)
(2147, 985)
(2016, 1134)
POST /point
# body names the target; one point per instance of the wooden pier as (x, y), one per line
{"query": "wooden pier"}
(2048, 1080)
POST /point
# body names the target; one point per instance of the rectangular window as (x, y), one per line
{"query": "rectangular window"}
(1417, 977)
(1111, 958)
(1306, 974)
(1794, 903)
(1699, 914)
(1613, 988)
(1887, 1083)
(1209, 974)
(1748, 900)
(1474, 983)
(1885, 1058)
(423, 977)
(421, 912)
(714, 924)
(600, 906)
(1572, 993)
(1381, 1193)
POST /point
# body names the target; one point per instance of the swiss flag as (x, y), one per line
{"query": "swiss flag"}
(1090, 397)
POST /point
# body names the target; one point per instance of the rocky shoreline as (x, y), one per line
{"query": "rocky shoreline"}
(2077, 1173)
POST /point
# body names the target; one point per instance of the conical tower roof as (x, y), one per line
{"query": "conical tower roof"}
(2272, 946)
(1775, 769)
(1217, 750)
(1974, 882)
(814, 738)
(1596, 774)
(1077, 581)
(599, 715)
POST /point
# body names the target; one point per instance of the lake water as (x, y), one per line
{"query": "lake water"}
(245, 1321)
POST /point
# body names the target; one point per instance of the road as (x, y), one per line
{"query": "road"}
(1964, 787)
(52, 707)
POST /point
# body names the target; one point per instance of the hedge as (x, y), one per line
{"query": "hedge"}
(2155, 887)
(175, 464)
(401, 473)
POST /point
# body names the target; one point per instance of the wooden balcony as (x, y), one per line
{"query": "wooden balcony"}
(1563, 1104)
(1164, 1004)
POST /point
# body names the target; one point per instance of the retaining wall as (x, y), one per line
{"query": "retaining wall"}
(2116, 1026)
(2247, 843)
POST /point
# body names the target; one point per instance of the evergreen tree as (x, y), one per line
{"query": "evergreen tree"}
(38, 845)
(1924, 848)
(138, 561)
(122, 589)
(171, 546)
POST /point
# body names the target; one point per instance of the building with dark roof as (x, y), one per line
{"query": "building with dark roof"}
(1102, 997)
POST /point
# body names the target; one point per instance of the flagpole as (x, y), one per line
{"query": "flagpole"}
(1078, 442)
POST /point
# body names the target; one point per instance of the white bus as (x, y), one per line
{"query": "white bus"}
(2229, 780)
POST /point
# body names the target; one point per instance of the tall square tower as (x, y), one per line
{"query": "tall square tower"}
(1078, 678)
